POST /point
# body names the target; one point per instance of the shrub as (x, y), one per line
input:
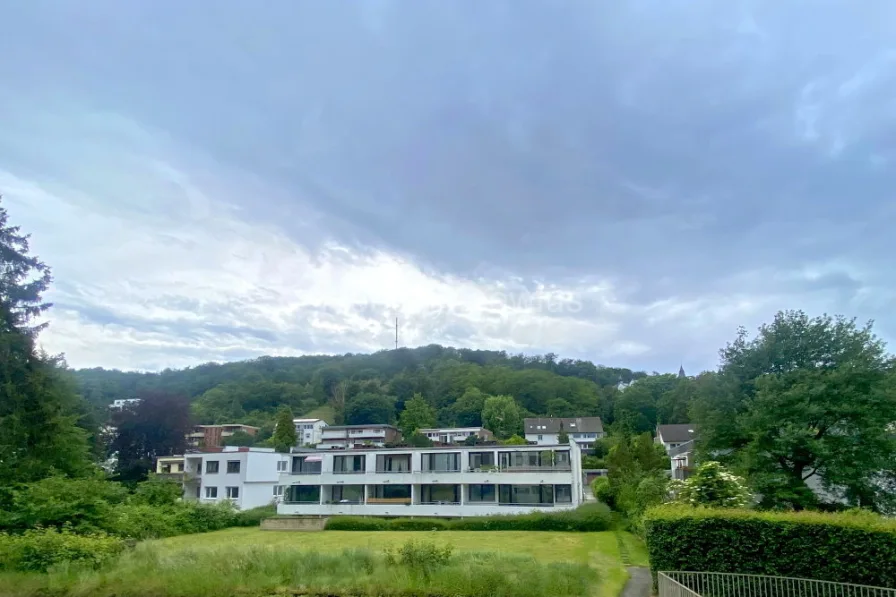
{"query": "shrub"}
(84, 504)
(417, 524)
(39, 549)
(602, 490)
(713, 486)
(843, 547)
(158, 492)
(356, 523)
(420, 558)
(253, 517)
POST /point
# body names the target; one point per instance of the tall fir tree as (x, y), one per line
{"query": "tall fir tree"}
(285, 436)
(39, 409)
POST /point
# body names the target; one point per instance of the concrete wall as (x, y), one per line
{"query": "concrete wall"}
(294, 524)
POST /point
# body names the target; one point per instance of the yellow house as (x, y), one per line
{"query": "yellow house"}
(171, 467)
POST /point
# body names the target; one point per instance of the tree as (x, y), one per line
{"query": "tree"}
(562, 437)
(240, 438)
(156, 426)
(285, 436)
(713, 486)
(468, 408)
(370, 409)
(418, 440)
(805, 398)
(501, 415)
(39, 409)
(417, 414)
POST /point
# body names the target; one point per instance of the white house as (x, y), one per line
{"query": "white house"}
(351, 436)
(451, 435)
(546, 430)
(682, 462)
(672, 436)
(440, 481)
(248, 477)
(123, 403)
(309, 431)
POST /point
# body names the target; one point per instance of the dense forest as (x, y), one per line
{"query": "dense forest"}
(373, 388)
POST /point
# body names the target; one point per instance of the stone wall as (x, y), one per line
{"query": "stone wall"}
(297, 523)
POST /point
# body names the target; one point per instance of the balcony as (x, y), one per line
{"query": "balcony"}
(385, 472)
(358, 472)
(405, 501)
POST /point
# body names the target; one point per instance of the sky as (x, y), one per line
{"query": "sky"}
(625, 182)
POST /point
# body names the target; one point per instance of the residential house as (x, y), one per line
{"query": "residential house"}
(682, 461)
(452, 435)
(309, 431)
(247, 477)
(170, 467)
(672, 436)
(124, 403)
(546, 430)
(213, 436)
(351, 436)
(449, 481)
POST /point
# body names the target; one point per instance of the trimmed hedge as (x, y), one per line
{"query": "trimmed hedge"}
(850, 547)
(588, 518)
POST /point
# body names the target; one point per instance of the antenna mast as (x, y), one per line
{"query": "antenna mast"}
(396, 333)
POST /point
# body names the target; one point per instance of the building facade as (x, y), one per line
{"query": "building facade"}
(444, 481)
(455, 435)
(345, 437)
(309, 431)
(124, 403)
(672, 436)
(545, 431)
(248, 477)
(213, 436)
(170, 467)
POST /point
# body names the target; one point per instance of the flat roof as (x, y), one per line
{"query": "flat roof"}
(372, 426)
(541, 448)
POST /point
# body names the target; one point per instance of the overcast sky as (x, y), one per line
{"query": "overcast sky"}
(623, 181)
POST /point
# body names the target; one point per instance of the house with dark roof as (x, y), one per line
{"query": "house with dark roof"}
(672, 436)
(546, 430)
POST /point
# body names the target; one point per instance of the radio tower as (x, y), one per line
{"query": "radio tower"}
(396, 333)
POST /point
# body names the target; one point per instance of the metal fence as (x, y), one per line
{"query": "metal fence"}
(716, 584)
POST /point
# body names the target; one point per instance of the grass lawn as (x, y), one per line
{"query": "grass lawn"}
(598, 550)
(322, 412)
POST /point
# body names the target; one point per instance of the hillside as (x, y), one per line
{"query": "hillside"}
(372, 388)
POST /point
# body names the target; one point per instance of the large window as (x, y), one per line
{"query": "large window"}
(211, 493)
(303, 494)
(233, 492)
(348, 464)
(306, 465)
(211, 467)
(480, 460)
(348, 494)
(440, 494)
(481, 493)
(563, 494)
(520, 459)
(526, 494)
(393, 463)
(441, 462)
(233, 466)
(390, 492)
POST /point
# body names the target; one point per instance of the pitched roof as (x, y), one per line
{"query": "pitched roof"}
(677, 433)
(570, 425)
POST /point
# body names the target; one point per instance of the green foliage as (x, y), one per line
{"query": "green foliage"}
(502, 416)
(603, 492)
(804, 398)
(593, 462)
(37, 550)
(562, 437)
(515, 440)
(712, 485)
(422, 557)
(154, 427)
(418, 440)
(417, 414)
(240, 438)
(845, 547)
(585, 519)
(636, 476)
(157, 492)
(285, 437)
(83, 504)
(369, 408)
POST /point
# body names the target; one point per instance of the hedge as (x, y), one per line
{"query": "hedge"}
(849, 547)
(588, 518)
(37, 550)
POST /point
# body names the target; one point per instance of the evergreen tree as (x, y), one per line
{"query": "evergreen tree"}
(285, 436)
(39, 410)
(562, 437)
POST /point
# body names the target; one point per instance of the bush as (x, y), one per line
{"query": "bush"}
(253, 517)
(420, 558)
(85, 505)
(39, 549)
(848, 547)
(587, 518)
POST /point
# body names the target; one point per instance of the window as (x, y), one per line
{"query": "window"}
(440, 494)
(166, 468)
(353, 494)
(179, 467)
(348, 464)
(441, 462)
(303, 494)
(390, 492)
(563, 494)
(480, 460)
(526, 494)
(211, 467)
(233, 493)
(482, 493)
(211, 493)
(281, 466)
(540, 437)
(278, 491)
(306, 465)
(397, 463)
(233, 466)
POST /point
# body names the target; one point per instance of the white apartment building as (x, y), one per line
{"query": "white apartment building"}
(445, 481)
(451, 435)
(248, 477)
(355, 436)
(546, 430)
(309, 431)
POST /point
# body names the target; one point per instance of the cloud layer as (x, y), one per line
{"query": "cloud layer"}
(627, 184)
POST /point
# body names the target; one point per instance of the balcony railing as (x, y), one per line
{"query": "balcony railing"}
(406, 501)
(311, 472)
(440, 503)
(716, 584)
(361, 472)
(385, 472)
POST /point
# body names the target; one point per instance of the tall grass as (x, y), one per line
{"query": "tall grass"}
(416, 570)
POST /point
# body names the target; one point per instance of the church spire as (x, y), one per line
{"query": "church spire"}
(681, 371)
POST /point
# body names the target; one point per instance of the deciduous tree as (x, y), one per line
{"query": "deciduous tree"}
(501, 415)
(417, 414)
